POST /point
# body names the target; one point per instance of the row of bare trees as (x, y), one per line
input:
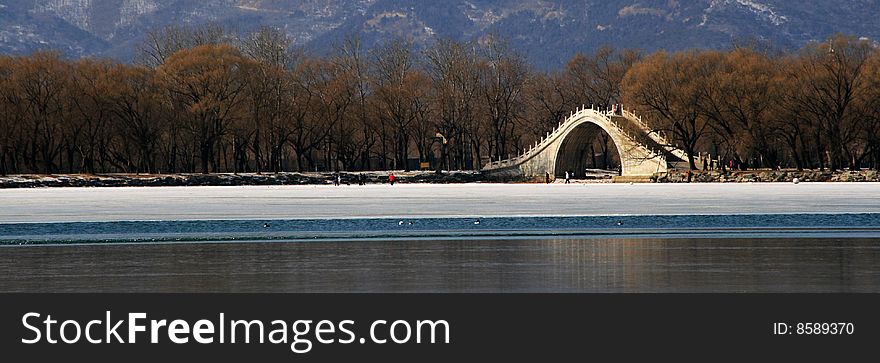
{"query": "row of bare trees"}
(818, 108)
(200, 100)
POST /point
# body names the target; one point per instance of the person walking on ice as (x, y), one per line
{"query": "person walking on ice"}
(391, 178)
(567, 177)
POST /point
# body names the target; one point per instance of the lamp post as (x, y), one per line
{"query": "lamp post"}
(438, 137)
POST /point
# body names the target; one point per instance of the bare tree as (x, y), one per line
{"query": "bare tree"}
(206, 83)
(161, 44)
(453, 67)
(11, 117)
(738, 102)
(503, 82)
(597, 79)
(833, 80)
(269, 88)
(42, 81)
(669, 90)
(400, 90)
(357, 136)
(140, 105)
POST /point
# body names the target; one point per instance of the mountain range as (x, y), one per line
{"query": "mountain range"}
(547, 32)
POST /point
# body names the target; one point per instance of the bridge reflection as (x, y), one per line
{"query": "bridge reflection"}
(463, 265)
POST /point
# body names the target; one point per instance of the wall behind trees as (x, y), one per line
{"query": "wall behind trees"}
(203, 101)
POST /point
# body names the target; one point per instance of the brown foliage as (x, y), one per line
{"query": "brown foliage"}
(206, 85)
(201, 103)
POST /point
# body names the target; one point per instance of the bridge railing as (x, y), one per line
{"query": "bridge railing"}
(658, 136)
(574, 115)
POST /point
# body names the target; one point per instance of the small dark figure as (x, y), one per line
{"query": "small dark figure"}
(265, 225)
(619, 223)
(477, 221)
(548, 178)
(567, 177)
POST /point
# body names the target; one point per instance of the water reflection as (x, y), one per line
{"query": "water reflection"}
(488, 265)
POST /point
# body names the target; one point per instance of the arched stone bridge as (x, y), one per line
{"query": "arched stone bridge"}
(643, 153)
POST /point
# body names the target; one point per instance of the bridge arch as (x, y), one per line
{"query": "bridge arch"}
(542, 158)
(577, 151)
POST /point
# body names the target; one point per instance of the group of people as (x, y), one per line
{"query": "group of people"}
(361, 179)
(706, 162)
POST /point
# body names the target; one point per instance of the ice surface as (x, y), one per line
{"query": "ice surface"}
(430, 200)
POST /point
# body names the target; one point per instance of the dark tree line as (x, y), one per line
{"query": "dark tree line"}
(817, 108)
(201, 100)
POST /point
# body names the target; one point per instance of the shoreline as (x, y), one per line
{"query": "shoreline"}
(27, 181)
(227, 179)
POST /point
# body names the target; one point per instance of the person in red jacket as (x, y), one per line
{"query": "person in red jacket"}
(391, 178)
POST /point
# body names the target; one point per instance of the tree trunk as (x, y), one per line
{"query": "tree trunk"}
(205, 156)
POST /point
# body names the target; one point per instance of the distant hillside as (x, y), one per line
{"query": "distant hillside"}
(548, 32)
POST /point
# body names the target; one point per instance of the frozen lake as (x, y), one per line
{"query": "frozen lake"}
(574, 238)
(431, 200)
